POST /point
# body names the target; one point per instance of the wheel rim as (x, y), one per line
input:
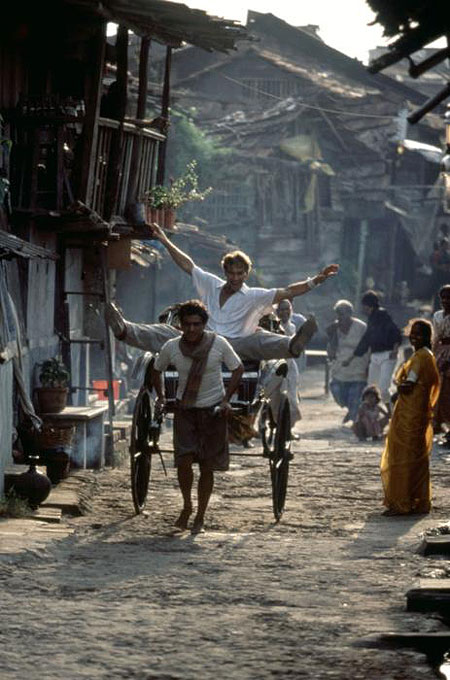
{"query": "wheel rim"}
(140, 454)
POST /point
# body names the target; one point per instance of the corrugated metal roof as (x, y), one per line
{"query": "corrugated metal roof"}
(13, 244)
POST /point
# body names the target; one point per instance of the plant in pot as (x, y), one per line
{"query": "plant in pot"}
(54, 378)
(162, 202)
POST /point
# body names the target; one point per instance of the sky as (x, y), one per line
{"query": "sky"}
(343, 25)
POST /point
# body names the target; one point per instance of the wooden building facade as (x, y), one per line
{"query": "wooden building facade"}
(75, 163)
(315, 174)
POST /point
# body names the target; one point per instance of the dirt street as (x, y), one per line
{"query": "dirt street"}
(123, 598)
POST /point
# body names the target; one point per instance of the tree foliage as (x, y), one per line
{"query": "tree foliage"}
(399, 17)
(187, 142)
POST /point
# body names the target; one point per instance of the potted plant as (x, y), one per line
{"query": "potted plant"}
(162, 202)
(54, 378)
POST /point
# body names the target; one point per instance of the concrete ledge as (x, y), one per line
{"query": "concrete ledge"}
(434, 645)
(435, 545)
(432, 595)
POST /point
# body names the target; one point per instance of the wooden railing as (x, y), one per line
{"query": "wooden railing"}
(45, 163)
(138, 158)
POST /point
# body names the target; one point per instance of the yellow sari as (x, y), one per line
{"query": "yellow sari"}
(405, 470)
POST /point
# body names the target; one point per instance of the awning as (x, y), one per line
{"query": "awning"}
(171, 23)
(431, 153)
(10, 244)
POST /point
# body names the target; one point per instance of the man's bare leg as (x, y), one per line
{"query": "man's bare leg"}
(185, 479)
(205, 487)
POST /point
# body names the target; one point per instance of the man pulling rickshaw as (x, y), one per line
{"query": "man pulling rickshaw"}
(231, 309)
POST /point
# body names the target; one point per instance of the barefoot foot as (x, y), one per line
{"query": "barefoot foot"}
(183, 519)
(197, 527)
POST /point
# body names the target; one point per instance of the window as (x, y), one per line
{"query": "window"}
(227, 202)
(262, 88)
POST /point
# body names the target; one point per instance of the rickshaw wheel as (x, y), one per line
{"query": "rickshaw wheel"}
(279, 461)
(140, 451)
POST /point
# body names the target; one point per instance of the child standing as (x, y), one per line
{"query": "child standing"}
(372, 416)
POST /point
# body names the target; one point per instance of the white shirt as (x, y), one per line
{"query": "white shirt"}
(211, 389)
(289, 327)
(297, 319)
(240, 314)
(356, 371)
(441, 325)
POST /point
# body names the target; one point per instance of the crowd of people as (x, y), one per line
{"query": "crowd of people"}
(223, 326)
(413, 406)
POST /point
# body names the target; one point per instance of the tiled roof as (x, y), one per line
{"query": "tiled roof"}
(171, 23)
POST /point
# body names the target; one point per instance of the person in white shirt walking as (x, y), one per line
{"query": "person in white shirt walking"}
(348, 380)
(284, 312)
(200, 417)
(234, 308)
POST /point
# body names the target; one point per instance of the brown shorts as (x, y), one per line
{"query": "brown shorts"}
(199, 433)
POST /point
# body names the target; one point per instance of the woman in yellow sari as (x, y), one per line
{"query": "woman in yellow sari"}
(405, 470)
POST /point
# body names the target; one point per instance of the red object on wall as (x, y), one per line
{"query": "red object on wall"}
(101, 387)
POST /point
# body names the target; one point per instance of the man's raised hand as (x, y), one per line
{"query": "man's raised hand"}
(326, 272)
(331, 270)
(155, 231)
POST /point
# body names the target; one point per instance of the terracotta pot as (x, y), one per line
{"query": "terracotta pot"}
(169, 218)
(51, 399)
(154, 215)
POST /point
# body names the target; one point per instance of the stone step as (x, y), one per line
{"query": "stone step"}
(47, 514)
(432, 595)
(434, 645)
(63, 498)
(436, 545)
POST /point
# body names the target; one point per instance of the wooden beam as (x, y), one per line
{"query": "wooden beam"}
(164, 114)
(112, 185)
(143, 78)
(90, 127)
(416, 70)
(122, 71)
(140, 115)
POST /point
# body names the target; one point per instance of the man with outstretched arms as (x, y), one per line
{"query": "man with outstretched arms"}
(234, 308)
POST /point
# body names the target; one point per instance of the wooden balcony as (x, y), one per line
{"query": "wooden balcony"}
(137, 165)
(46, 160)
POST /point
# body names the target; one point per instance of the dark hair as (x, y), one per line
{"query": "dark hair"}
(426, 329)
(370, 299)
(371, 389)
(237, 257)
(193, 307)
(444, 289)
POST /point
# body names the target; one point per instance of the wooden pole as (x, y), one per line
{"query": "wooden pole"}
(143, 78)
(164, 114)
(132, 196)
(363, 233)
(90, 126)
(108, 357)
(112, 185)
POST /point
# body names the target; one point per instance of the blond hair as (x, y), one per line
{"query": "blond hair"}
(237, 257)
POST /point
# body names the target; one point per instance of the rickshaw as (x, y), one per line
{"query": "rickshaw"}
(252, 403)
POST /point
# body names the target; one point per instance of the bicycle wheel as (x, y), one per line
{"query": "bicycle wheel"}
(279, 461)
(140, 453)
